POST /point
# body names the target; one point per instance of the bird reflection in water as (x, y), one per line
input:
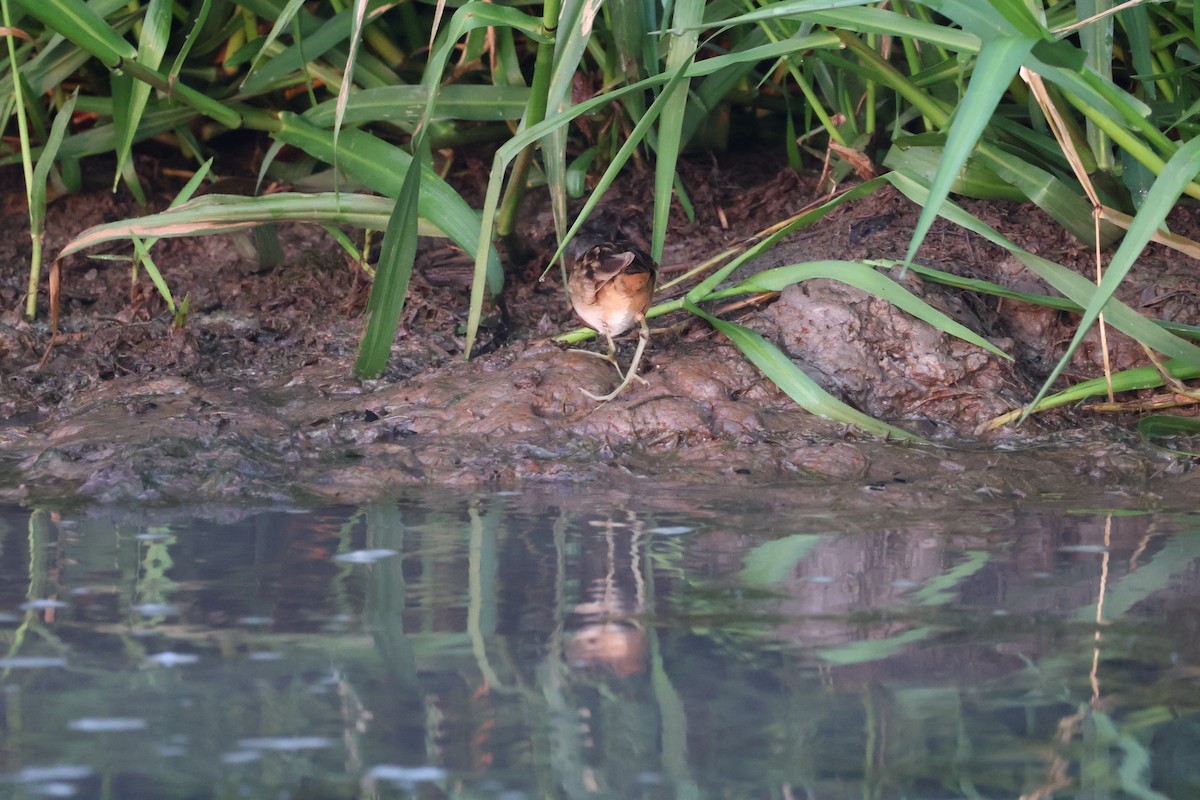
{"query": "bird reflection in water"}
(609, 636)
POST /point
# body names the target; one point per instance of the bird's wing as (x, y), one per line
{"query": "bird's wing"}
(610, 263)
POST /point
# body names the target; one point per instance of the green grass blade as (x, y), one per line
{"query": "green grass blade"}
(1066, 206)
(1105, 97)
(1159, 202)
(670, 124)
(1073, 285)
(122, 91)
(190, 41)
(396, 257)
(491, 201)
(798, 386)
(474, 14)
(405, 104)
(152, 45)
(571, 41)
(770, 11)
(872, 282)
(710, 92)
(921, 155)
(185, 194)
(1159, 429)
(1136, 23)
(218, 110)
(1051, 194)
(889, 23)
(1015, 12)
(1096, 40)
(281, 22)
(998, 62)
(577, 172)
(360, 12)
(41, 172)
(47, 69)
(103, 138)
(979, 286)
(636, 54)
(142, 254)
(36, 195)
(189, 188)
(75, 20)
(134, 185)
(821, 40)
(639, 132)
(1128, 380)
(59, 58)
(219, 213)
(477, 14)
(382, 166)
(268, 160)
(990, 20)
(332, 33)
(702, 290)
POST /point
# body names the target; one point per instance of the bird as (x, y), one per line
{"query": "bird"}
(611, 285)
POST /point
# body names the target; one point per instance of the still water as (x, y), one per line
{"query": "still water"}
(664, 643)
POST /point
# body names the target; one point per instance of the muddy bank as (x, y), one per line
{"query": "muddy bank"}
(255, 396)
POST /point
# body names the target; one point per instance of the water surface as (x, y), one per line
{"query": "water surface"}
(662, 643)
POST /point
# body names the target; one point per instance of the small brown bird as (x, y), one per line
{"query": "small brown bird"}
(611, 286)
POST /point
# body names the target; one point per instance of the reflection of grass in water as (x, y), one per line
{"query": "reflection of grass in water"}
(999, 740)
(940, 590)
(153, 585)
(1151, 576)
(971, 744)
(1092, 751)
(339, 595)
(743, 715)
(774, 561)
(874, 649)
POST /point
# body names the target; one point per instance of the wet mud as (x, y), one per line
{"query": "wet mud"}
(255, 397)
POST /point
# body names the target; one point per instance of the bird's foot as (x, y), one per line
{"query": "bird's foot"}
(621, 387)
(609, 357)
(612, 359)
(631, 375)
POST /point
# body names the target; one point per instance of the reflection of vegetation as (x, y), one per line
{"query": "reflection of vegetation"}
(673, 716)
(1153, 575)
(941, 590)
(154, 588)
(39, 582)
(384, 601)
(773, 561)
(338, 593)
(457, 656)
(875, 649)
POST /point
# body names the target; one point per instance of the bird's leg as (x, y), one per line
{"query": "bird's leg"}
(612, 352)
(631, 374)
(610, 356)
